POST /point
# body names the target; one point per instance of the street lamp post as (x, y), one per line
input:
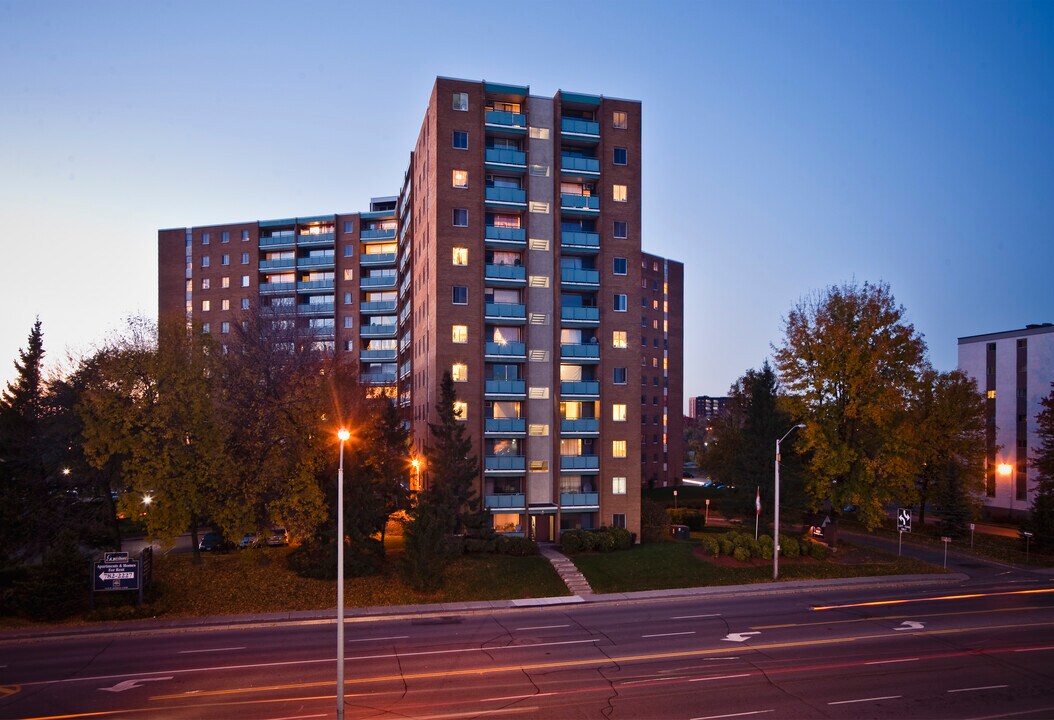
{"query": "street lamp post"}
(343, 434)
(776, 510)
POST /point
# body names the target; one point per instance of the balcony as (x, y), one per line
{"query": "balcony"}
(580, 316)
(504, 463)
(579, 204)
(580, 389)
(579, 241)
(278, 241)
(377, 259)
(503, 501)
(312, 262)
(506, 312)
(377, 331)
(505, 275)
(315, 308)
(581, 426)
(504, 159)
(377, 234)
(505, 426)
(579, 462)
(579, 277)
(367, 282)
(377, 307)
(583, 352)
(506, 350)
(580, 166)
(581, 129)
(580, 500)
(506, 388)
(377, 378)
(280, 264)
(516, 122)
(319, 239)
(314, 285)
(500, 236)
(378, 355)
(506, 197)
(276, 287)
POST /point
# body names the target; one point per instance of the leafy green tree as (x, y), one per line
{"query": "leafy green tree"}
(849, 364)
(388, 439)
(426, 553)
(453, 469)
(1041, 513)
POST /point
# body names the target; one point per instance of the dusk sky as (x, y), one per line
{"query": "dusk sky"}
(786, 146)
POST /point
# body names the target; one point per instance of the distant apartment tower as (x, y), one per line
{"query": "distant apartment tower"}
(1014, 369)
(705, 406)
(511, 258)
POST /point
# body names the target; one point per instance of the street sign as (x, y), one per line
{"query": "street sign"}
(116, 576)
(904, 519)
(115, 557)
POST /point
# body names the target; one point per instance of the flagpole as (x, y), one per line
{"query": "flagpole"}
(757, 514)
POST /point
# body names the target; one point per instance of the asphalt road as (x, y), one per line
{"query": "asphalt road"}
(983, 648)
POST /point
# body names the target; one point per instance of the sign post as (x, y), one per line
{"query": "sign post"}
(706, 513)
(674, 499)
(945, 539)
(1028, 536)
(903, 526)
(972, 526)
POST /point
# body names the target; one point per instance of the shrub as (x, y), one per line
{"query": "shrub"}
(483, 545)
(741, 553)
(691, 517)
(317, 559)
(623, 538)
(58, 587)
(818, 550)
(654, 522)
(520, 547)
(789, 547)
(574, 541)
(726, 545)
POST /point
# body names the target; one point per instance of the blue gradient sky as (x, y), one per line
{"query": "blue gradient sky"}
(787, 146)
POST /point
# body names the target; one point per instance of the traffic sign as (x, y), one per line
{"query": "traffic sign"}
(904, 519)
(116, 576)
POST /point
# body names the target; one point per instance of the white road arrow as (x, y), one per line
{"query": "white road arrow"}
(739, 637)
(910, 625)
(130, 684)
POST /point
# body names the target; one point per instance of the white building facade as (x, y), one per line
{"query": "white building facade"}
(1015, 370)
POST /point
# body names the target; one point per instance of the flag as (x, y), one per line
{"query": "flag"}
(757, 502)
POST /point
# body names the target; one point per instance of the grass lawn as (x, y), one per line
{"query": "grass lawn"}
(673, 565)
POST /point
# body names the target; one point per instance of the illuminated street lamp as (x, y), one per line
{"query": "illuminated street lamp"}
(416, 465)
(147, 499)
(776, 509)
(1007, 471)
(343, 434)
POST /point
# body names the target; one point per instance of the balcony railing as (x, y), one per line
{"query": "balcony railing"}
(580, 314)
(278, 264)
(377, 306)
(378, 355)
(513, 196)
(579, 462)
(579, 127)
(506, 311)
(580, 388)
(589, 203)
(267, 287)
(505, 273)
(583, 499)
(315, 308)
(571, 163)
(507, 119)
(319, 239)
(504, 463)
(378, 234)
(505, 235)
(580, 426)
(506, 387)
(378, 281)
(580, 240)
(315, 285)
(579, 276)
(277, 240)
(377, 331)
(508, 349)
(505, 500)
(376, 378)
(376, 258)
(505, 426)
(503, 156)
(587, 351)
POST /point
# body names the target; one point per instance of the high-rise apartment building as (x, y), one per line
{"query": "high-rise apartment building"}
(705, 406)
(511, 258)
(1015, 370)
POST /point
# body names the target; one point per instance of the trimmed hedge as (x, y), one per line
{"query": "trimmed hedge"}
(606, 539)
(742, 546)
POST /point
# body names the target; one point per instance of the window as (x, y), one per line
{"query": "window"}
(205, 283)
(245, 236)
(349, 227)
(619, 375)
(204, 261)
(459, 372)
(225, 327)
(461, 101)
(206, 328)
(621, 230)
(459, 334)
(225, 281)
(619, 266)
(347, 298)
(460, 140)
(206, 305)
(619, 303)
(461, 178)
(225, 259)
(460, 410)
(460, 296)
(205, 238)
(225, 304)
(539, 133)
(991, 394)
(620, 156)
(245, 303)
(348, 321)
(348, 345)
(618, 193)
(618, 339)
(349, 274)
(618, 412)
(245, 258)
(461, 256)
(618, 448)
(460, 217)
(245, 281)
(619, 120)
(225, 237)
(618, 486)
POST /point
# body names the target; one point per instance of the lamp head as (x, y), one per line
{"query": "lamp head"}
(1004, 469)
(343, 434)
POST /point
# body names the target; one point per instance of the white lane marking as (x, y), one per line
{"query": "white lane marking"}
(739, 637)
(285, 663)
(478, 713)
(1048, 647)
(297, 717)
(742, 714)
(848, 702)
(190, 652)
(514, 697)
(542, 627)
(719, 677)
(983, 687)
(687, 632)
(657, 678)
(393, 637)
(132, 684)
(889, 662)
(910, 625)
(692, 617)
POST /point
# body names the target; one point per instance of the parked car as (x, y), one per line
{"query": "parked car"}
(214, 542)
(277, 538)
(249, 541)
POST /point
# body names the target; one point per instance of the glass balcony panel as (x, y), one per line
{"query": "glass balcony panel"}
(503, 156)
(518, 235)
(384, 281)
(377, 259)
(380, 234)
(581, 425)
(579, 202)
(580, 314)
(377, 330)
(375, 355)
(507, 310)
(377, 378)
(579, 499)
(505, 272)
(378, 306)
(511, 349)
(579, 127)
(507, 195)
(515, 426)
(579, 164)
(315, 285)
(577, 238)
(584, 350)
(505, 500)
(506, 387)
(579, 276)
(505, 462)
(581, 387)
(579, 462)
(507, 119)
(315, 308)
(277, 264)
(277, 287)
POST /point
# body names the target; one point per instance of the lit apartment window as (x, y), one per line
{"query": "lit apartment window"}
(618, 375)
(620, 156)
(618, 486)
(459, 334)
(245, 303)
(225, 304)
(619, 267)
(245, 281)
(461, 101)
(349, 274)
(620, 303)
(461, 178)
(225, 281)
(618, 339)
(460, 295)
(205, 283)
(225, 237)
(204, 261)
(460, 410)
(991, 394)
(461, 256)
(245, 236)
(618, 448)
(618, 412)
(619, 120)
(206, 305)
(621, 230)
(205, 238)
(460, 217)
(459, 372)
(460, 140)
(225, 327)
(618, 193)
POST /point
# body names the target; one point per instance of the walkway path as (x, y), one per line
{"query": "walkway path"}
(576, 582)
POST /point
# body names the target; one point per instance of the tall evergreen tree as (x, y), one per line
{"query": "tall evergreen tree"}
(452, 468)
(1041, 514)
